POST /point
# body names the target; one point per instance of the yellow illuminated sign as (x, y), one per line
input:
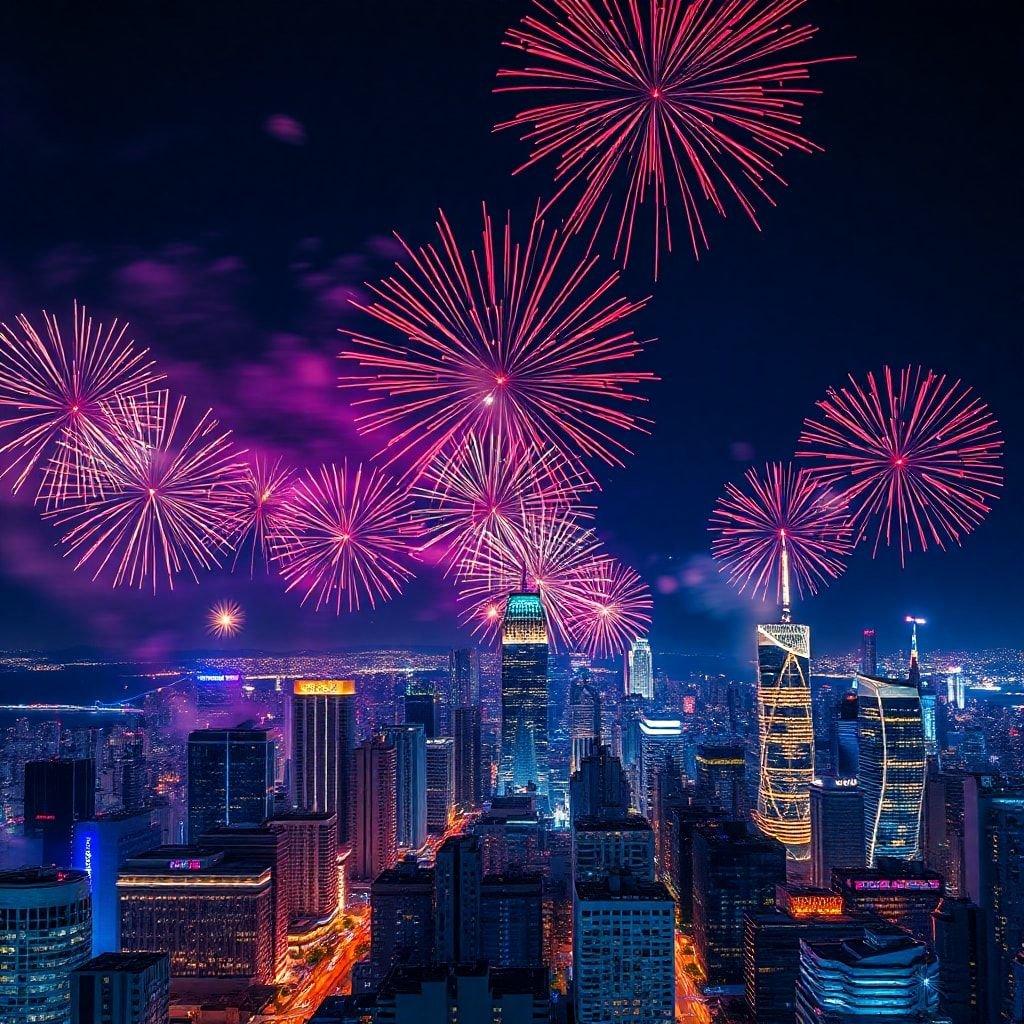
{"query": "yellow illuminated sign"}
(324, 687)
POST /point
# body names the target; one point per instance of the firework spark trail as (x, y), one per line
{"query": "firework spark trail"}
(517, 340)
(640, 97)
(779, 527)
(225, 619)
(346, 537)
(165, 507)
(611, 609)
(480, 487)
(57, 397)
(257, 505)
(917, 457)
(546, 557)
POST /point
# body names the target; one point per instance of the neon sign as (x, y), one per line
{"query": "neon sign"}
(185, 864)
(898, 885)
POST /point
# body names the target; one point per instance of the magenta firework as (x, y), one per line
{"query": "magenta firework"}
(611, 607)
(258, 501)
(346, 537)
(917, 455)
(165, 504)
(517, 339)
(778, 528)
(678, 105)
(57, 394)
(477, 488)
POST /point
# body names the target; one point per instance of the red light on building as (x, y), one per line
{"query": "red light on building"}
(689, 705)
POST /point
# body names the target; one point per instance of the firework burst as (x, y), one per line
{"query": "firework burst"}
(225, 619)
(57, 397)
(778, 528)
(643, 99)
(477, 488)
(917, 456)
(516, 340)
(258, 502)
(166, 504)
(549, 550)
(346, 537)
(612, 607)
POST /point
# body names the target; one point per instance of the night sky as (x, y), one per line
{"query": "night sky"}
(227, 176)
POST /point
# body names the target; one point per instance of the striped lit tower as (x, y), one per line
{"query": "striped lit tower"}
(524, 693)
(785, 730)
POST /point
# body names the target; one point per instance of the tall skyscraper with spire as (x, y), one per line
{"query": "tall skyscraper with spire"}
(785, 729)
(524, 695)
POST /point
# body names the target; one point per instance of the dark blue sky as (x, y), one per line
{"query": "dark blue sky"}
(137, 174)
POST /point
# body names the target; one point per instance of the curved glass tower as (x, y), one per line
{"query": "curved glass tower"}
(786, 735)
(524, 694)
(892, 766)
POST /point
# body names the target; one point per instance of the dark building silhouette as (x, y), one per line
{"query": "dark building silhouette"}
(464, 669)
(734, 873)
(512, 920)
(837, 828)
(469, 767)
(682, 824)
(121, 988)
(230, 778)
(402, 917)
(959, 940)
(599, 789)
(422, 709)
(843, 742)
(58, 792)
(458, 874)
(721, 777)
(601, 846)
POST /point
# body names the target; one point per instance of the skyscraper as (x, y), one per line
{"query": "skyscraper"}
(904, 893)
(121, 988)
(464, 668)
(891, 771)
(423, 709)
(402, 916)
(956, 690)
(230, 778)
(410, 746)
(623, 951)
(512, 919)
(469, 768)
(868, 653)
(458, 873)
(45, 933)
(440, 782)
(584, 721)
(786, 735)
(845, 747)
(323, 749)
(837, 828)
(599, 789)
(524, 690)
(663, 745)
(58, 792)
(959, 941)
(375, 832)
(640, 674)
(721, 777)
(312, 878)
(603, 846)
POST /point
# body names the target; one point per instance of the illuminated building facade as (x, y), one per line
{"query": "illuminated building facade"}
(440, 783)
(58, 792)
(786, 736)
(837, 828)
(524, 691)
(956, 688)
(721, 777)
(640, 676)
(884, 977)
(623, 951)
(409, 741)
(891, 770)
(121, 988)
(663, 746)
(868, 653)
(45, 933)
(214, 918)
(375, 836)
(602, 846)
(323, 728)
(584, 722)
(230, 778)
(312, 869)
(100, 847)
(903, 894)
(464, 669)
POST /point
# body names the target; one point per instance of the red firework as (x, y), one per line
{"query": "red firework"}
(166, 505)
(57, 396)
(642, 98)
(478, 488)
(779, 528)
(917, 457)
(345, 537)
(612, 607)
(258, 502)
(514, 341)
(546, 556)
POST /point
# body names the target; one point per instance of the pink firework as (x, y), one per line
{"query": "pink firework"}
(546, 556)
(346, 537)
(166, 505)
(661, 102)
(612, 607)
(477, 488)
(917, 456)
(258, 503)
(517, 341)
(57, 396)
(778, 528)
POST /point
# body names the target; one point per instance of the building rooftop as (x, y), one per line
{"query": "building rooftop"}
(124, 963)
(621, 886)
(879, 946)
(36, 877)
(632, 823)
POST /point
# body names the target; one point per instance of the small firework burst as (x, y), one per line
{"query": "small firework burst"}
(346, 537)
(225, 619)
(257, 504)
(917, 456)
(612, 607)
